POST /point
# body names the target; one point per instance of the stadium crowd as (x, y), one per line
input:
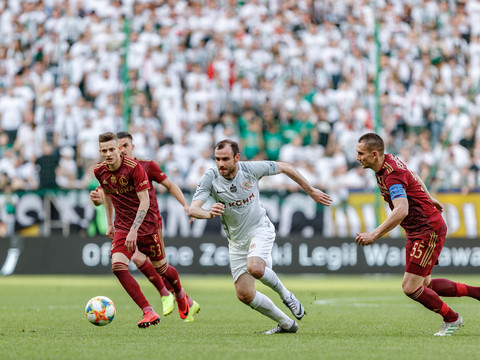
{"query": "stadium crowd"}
(291, 80)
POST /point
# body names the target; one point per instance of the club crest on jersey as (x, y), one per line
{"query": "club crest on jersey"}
(123, 180)
(233, 188)
(246, 185)
(113, 179)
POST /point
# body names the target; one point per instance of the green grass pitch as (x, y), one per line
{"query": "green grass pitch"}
(348, 317)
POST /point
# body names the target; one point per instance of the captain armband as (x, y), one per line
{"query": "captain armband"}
(397, 191)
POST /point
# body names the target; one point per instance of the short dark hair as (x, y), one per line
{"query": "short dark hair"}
(233, 144)
(107, 136)
(373, 142)
(124, 134)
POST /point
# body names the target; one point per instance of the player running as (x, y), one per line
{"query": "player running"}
(128, 191)
(233, 184)
(414, 209)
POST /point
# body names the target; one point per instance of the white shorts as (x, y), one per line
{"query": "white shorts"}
(260, 245)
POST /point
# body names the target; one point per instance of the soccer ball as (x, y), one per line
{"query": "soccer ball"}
(100, 310)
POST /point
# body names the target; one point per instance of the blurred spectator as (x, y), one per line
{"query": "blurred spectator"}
(29, 140)
(87, 145)
(45, 118)
(66, 171)
(252, 139)
(47, 163)
(11, 113)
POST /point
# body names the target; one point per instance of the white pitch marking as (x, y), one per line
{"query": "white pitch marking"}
(361, 301)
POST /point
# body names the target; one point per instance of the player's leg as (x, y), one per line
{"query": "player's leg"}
(421, 256)
(259, 265)
(144, 264)
(156, 251)
(120, 269)
(449, 288)
(246, 293)
(256, 267)
(413, 287)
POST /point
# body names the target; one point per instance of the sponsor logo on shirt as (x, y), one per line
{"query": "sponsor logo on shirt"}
(243, 202)
(120, 190)
(246, 185)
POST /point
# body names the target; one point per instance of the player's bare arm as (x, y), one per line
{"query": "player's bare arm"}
(316, 194)
(109, 212)
(131, 239)
(435, 202)
(399, 212)
(177, 193)
(198, 212)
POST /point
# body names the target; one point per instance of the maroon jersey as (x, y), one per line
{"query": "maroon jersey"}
(423, 217)
(122, 185)
(156, 174)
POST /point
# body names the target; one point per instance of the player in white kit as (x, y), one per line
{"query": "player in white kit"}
(233, 184)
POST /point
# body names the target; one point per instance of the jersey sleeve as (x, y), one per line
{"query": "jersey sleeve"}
(396, 183)
(204, 187)
(261, 168)
(140, 178)
(155, 173)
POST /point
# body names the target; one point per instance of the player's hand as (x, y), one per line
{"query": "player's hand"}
(187, 211)
(131, 240)
(365, 239)
(437, 204)
(217, 209)
(110, 231)
(320, 197)
(96, 197)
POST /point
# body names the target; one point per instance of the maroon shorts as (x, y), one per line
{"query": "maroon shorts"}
(422, 252)
(150, 245)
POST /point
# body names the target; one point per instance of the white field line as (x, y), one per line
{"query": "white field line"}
(375, 301)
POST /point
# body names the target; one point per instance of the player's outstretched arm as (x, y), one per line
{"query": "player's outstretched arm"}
(175, 190)
(316, 194)
(198, 212)
(399, 212)
(435, 202)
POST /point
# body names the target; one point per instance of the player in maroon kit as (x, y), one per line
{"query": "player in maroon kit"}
(414, 209)
(142, 262)
(125, 186)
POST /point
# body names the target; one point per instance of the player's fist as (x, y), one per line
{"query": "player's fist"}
(217, 209)
(96, 197)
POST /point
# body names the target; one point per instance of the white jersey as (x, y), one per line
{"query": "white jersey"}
(243, 211)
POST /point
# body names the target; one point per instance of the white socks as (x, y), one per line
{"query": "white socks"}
(265, 306)
(271, 280)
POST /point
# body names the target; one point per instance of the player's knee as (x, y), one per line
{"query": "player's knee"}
(245, 297)
(409, 289)
(119, 266)
(256, 270)
(138, 260)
